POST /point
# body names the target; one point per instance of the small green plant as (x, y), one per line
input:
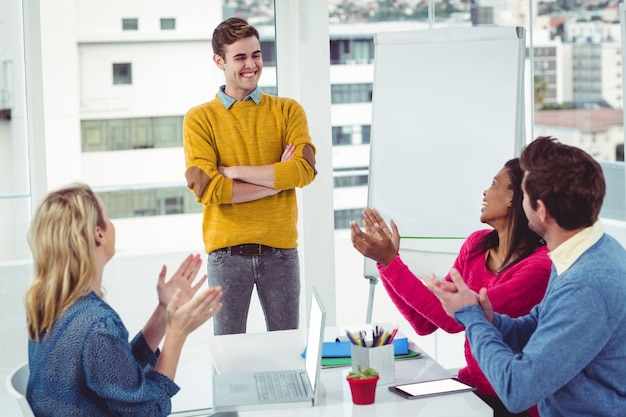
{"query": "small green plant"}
(362, 373)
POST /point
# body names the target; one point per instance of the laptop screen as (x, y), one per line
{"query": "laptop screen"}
(314, 340)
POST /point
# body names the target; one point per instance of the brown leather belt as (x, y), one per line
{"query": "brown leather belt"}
(248, 249)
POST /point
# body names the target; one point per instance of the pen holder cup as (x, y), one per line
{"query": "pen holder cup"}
(379, 358)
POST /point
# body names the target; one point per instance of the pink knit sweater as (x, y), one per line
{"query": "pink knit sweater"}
(513, 292)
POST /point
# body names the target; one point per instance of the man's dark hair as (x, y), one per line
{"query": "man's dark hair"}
(567, 179)
(229, 32)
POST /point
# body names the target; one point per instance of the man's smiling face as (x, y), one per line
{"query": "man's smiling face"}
(242, 65)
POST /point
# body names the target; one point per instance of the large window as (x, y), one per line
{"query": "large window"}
(131, 93)
(576, 53)
(574, 71)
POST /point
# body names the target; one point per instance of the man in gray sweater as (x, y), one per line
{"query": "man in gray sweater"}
(568, 355)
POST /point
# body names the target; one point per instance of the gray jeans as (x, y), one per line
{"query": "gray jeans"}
(276, 275)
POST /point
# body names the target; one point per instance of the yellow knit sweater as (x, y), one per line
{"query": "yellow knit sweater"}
(252, 135)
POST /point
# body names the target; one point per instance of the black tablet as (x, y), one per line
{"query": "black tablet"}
(431, 388)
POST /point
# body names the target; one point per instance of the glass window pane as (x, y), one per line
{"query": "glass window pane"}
(130, 24)
(122, 73)
(118, 134)
(168, 131)
(14, 167)
(366, 133)
(268, 50)
(137, 133)
(141, 133)
(574, 82)
(149, 201)
(168, 23)
(93, 136)
(577, 82)
(14, 223)
(15, 176)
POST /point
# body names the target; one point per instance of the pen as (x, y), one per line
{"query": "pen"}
(352, 338)
(381, 340)
(362, 338)
(375, 337)
(393, 334)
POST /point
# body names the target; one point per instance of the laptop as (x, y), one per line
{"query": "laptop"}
(276, 389)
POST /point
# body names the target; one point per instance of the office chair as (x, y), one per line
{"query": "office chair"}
(16, 385)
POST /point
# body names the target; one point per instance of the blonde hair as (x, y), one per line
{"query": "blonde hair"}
(63, 243)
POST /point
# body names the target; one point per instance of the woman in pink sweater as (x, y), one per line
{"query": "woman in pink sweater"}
(510, 260)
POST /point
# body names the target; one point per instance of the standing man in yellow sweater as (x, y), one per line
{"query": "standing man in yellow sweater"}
(245, 152)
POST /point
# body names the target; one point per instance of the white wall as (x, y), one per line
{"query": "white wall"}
(204, 16)
(127, 168)
(183, 71)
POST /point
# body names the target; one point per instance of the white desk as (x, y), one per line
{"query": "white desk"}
(282, 350)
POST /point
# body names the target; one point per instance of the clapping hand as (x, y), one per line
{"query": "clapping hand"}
(185, 316)
(378, 241)
(183, 279)
(456, 294)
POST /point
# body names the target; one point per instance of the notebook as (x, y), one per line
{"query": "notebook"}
(275, 389)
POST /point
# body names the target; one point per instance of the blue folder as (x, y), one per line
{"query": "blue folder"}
(342, 349)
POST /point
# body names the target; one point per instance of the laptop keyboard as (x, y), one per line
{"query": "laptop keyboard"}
(279, 386)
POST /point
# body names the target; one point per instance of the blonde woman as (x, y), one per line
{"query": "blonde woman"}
(80, 359)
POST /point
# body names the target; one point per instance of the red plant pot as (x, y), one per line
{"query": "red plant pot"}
(363, 390)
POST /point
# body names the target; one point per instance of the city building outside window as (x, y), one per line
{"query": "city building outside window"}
(344, 217)
(136, 133)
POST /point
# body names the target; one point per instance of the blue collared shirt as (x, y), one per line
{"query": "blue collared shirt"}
(228, 101)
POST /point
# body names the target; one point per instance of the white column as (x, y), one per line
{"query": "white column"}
(61, 100)
(35, 119)
(303, 67)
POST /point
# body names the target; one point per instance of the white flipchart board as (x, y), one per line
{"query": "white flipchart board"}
(448, 112)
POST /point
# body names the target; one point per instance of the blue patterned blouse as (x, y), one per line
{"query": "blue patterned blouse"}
(85, 366)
